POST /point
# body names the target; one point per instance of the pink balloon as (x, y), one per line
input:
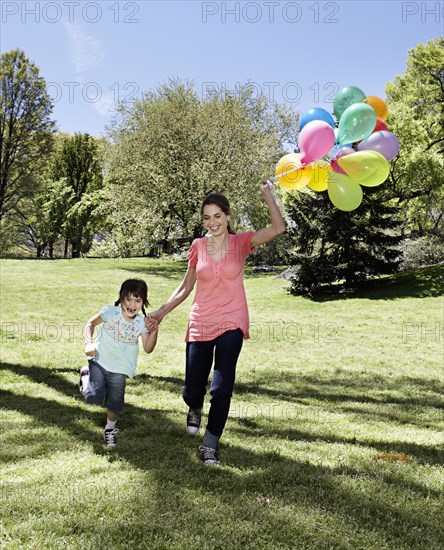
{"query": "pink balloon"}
(315, 140)
(341, 153)
(382, 142)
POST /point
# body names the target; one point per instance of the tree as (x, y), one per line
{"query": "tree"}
(332, 245)
(416, 117)
(25, 128)
(172, 148)
(44, 220)
(77, 162)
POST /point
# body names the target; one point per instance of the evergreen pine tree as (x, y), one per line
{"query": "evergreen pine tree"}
(332, 245)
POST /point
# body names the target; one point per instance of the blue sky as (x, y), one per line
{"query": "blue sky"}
(301, 53)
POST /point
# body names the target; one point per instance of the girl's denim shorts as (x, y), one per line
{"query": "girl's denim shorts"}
(105, 388)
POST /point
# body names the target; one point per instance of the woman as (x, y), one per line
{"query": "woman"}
(218, 321)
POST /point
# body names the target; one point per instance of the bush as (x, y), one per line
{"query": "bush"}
(274, 253)
(422, 252)
(9, 236)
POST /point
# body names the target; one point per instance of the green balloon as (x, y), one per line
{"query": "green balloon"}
(346, 97)
(344, 193)
(357, 122)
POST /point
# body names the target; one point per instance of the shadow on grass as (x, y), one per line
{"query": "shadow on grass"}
(341, 394)
(424, 454)
(154, 442)
(355, 388)
(42, 375)
(427, 282)
(292, 484)
(169, 383)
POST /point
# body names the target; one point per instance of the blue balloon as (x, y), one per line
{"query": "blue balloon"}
(333, 152)
(316, 113)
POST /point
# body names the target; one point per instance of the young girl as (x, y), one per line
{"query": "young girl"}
(113, 355)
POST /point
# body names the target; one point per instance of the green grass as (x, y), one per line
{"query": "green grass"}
(334, 438)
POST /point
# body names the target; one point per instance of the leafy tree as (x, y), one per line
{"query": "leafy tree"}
(416, 117)
(45, 218)
(332, 245)
(25, 128)
(172, 148)
(77, 162)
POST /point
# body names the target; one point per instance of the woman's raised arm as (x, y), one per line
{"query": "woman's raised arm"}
(267, 234)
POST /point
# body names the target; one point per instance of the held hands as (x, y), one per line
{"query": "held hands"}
(151, 323)
(157, 315)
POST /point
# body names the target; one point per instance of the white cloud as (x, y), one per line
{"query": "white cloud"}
(105, 105)
(87, 51)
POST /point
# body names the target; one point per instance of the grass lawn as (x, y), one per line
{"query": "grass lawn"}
(334, 438)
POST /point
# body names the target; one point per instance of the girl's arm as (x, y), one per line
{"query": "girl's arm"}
(88, 334)
(149, 340)
(277, 221)
(179, 295)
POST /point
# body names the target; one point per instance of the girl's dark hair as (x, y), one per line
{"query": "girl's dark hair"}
(134, 287)
(222, 202)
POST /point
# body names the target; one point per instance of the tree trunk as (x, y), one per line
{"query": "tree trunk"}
(75, 250)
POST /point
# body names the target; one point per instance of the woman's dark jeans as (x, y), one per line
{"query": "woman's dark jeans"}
(199, 359)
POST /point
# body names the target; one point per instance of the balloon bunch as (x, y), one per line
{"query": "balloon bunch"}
(341, 159)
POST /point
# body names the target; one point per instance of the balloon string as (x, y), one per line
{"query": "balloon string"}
(287, 172)
(291, 224)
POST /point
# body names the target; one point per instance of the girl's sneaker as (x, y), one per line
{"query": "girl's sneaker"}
(84, 379)
(110, 437)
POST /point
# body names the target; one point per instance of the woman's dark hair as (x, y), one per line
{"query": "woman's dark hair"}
(134, 287)
(222, 202)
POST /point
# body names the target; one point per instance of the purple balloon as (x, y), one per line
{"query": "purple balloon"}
(383, 142)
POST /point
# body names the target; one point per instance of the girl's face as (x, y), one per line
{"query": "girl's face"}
(215, 220)
(131, 306)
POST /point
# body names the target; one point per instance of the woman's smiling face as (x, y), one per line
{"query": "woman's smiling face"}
(215, 220)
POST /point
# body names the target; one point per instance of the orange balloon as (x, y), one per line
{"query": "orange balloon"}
(378, 105)
(291, 173)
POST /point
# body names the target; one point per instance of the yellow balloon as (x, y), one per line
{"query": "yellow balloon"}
(319, 175)
(294, 175)
(367, 167)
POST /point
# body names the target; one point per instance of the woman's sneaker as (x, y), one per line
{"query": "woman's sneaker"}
(194, 418)
(110, 437)
(209, 456)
